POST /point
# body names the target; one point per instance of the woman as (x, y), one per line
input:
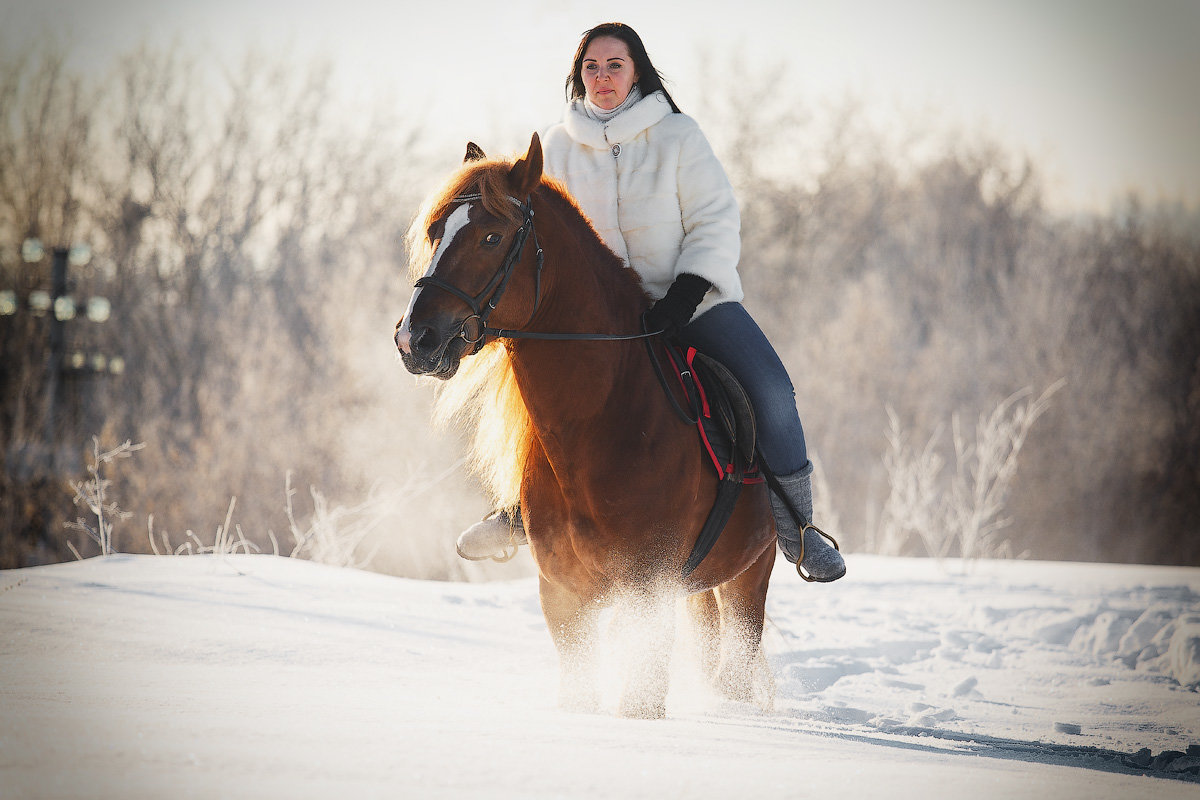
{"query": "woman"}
(647, 178)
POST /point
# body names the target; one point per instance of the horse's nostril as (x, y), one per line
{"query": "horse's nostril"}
(423, 339)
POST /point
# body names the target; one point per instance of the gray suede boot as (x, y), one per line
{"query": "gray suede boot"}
(497, 536)
(822, 562)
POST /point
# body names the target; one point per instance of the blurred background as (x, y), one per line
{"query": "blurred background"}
(971, 230)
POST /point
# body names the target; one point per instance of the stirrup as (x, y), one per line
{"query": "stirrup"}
(510, 550)
(507, 555)
(800, 559)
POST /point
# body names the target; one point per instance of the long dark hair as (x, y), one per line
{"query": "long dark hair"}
(649, 79)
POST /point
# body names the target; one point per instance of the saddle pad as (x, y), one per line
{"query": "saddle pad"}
(725, 421)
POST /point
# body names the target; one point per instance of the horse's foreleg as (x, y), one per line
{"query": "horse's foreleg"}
(572, 623)
(705, 616)
(742, 602)
(644, 627)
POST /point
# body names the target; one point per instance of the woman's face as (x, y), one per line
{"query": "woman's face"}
(608, 72)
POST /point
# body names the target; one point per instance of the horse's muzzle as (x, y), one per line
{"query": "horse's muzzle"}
(429, 348)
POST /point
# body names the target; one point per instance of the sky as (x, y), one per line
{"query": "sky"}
(1102, 94)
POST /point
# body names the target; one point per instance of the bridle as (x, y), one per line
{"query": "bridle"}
(484, 303)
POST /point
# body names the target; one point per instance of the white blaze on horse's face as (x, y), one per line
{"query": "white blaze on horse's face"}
(457, 220)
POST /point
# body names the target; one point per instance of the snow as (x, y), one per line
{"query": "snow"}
(262, 677)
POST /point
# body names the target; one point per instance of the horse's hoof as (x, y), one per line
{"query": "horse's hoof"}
(752, 684)
(579, 701)
(643, 709)
(735, 689)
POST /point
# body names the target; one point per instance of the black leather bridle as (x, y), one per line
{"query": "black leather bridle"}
(484, 303)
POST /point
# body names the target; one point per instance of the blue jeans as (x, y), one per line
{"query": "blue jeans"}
(727, 333)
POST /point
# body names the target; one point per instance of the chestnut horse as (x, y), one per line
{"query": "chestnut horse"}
(580, 435)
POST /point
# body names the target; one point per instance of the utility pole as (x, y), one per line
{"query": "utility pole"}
(54, 359)
(65, 360)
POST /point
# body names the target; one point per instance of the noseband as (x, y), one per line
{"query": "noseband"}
(484, 303)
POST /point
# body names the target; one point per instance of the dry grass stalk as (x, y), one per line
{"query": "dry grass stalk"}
(93, 494)
(963, 514)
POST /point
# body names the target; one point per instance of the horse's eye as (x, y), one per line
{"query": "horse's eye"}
(492, 239)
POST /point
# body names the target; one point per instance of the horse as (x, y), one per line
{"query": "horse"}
(579, 434)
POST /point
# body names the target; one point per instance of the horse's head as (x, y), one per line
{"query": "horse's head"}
(478, 273)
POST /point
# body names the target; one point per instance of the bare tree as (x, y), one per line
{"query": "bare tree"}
(917, 270)
(46, 164)
(245, 228)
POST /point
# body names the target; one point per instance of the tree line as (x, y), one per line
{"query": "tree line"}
(246, 229)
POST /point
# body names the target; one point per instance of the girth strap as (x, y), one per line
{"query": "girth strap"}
(718, 395)
(728, 491)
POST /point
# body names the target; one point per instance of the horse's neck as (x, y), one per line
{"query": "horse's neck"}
(573, 381)
(577, 381)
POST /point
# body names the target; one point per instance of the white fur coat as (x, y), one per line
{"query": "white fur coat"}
(653, 189)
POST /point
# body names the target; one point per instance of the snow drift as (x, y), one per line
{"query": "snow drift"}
(256, 676)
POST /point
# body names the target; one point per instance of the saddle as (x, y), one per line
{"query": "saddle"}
(724, 419)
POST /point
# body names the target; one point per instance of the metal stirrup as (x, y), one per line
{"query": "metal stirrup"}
(800, 558)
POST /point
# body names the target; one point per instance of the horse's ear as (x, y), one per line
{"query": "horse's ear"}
(526, 174)
(474, 153)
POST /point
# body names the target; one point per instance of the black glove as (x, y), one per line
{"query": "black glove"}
(676, 307)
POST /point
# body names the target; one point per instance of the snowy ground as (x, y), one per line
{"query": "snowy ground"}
(263, 677)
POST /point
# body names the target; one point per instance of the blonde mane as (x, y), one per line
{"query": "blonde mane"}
(484, 399)
(483, 396)
(488, 178)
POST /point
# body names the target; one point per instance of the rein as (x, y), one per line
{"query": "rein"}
(484, 303)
